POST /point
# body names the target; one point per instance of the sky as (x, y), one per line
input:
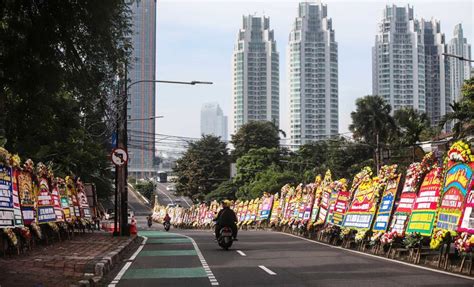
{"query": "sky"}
(195, 41)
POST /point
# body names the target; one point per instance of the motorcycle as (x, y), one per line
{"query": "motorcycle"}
(225, 238)
(167, 225)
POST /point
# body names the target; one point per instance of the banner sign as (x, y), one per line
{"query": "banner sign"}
(362, 209)
(340, 207)
(426, 204)
(266, 207)
(407, 199)
(45, 206)
(456, 182)
(386, 205)
(7, 214)
(324, 205)
(57, 204)
(27, 202)
(308, 206)
(16, 199)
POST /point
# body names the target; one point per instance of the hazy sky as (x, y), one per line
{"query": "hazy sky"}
(195, 41)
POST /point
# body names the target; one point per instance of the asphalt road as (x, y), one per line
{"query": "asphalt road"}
(137, 204)
(166, 197)
(263, 258)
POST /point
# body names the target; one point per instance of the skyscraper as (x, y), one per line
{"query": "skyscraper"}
(255, 74)
(141, 99)
(437, 76)
(398, 60)
(213, 121)
(460, 70)
(313, 75)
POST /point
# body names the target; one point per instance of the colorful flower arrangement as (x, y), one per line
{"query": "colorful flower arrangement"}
(460, 151)
(37, 230)
(360, 235)
(11, 236)
(387, 238)
(344, 232)
(440, 236)
(464, 243)
(4, 156)
(376, 237)
(412, 240)
(53, 226)
(25, 233)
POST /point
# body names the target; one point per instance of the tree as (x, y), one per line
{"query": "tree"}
(462, 113)
(201, 169)
(254, 135)
(372, 123)
(225, 190)
(256, 160)
(58, 66)
(411, 125)
(269, 180)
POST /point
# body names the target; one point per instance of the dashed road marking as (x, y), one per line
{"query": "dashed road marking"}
(241, 253)
(206, 267)
(267, 270)
(381, 258)
(128, 264)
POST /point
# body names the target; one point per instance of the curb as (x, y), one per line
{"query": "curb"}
(96, 269)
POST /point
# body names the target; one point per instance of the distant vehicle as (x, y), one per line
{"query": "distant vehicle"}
(171, 187)
(171, 205)
(162, 177)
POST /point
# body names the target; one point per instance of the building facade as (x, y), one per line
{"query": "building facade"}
(460, 70)
(398, 60)
(213, 121)
(141, 97)
(437, 71)
(255, 74)
(312, 76)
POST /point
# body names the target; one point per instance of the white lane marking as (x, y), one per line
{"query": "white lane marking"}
(127, 265)
(383, 258)
(171, 200)
(241, 253)
(206, 267)
(185, 200)
(141, 195)
(267, 270)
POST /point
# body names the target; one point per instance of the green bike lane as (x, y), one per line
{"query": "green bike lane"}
(166, 259)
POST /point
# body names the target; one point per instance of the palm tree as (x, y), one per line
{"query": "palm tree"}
(372, 123)
(411, 124)
(462, 113)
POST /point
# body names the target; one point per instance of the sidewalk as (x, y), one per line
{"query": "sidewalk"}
(66, 263)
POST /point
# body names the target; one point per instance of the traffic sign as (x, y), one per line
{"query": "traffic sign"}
(119, 157)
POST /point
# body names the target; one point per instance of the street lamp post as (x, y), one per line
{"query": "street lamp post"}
(121, 172)
(458, 57)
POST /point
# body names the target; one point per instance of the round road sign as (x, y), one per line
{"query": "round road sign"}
(119, 157)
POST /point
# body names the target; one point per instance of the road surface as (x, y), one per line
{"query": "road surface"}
(166, 197)
(261, 258)
(137, 204)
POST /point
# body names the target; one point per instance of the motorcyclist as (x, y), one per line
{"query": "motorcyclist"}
(226, 218)
(166, 219)
(149, 220)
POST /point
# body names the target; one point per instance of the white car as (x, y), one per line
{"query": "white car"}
(171, 187)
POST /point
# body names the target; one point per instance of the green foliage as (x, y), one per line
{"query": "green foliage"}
(255, 135)
(270, 180)
(58, 65)
(462, 112)
(225, 190)
(371, 120)
(256, 160)
(411, 125)
(146, 188)
(202, 168)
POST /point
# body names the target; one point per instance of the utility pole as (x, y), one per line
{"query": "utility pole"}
(123, 170)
